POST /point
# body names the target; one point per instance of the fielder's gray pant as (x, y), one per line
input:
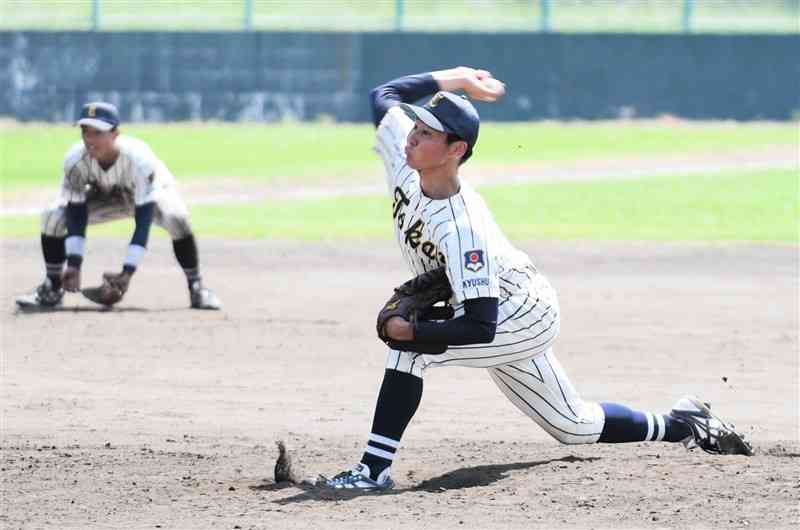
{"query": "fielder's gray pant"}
(170, 213)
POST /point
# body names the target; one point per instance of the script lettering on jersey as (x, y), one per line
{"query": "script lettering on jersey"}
(413, 234)
(475, 282)
(429, 249)
(400, 201)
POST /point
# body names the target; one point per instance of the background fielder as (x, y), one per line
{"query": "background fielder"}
(506, 312)
(108, 176)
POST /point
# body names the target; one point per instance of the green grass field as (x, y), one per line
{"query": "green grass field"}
(743, 206)
(747, 206)
(31, 155)
(417, 15)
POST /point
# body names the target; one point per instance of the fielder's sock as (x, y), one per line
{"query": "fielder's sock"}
(627, 425)
(398, 401)
(186, 254)
(192, 276)
(54, 257)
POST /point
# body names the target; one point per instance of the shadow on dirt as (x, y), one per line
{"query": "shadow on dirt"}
(94, 309)
(462, 478)
(272, 486)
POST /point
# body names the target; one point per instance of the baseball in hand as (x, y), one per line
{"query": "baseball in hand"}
(489, 89)
(494, 85)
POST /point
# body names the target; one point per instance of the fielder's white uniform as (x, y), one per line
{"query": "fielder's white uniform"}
(461, 233)
(136, 178)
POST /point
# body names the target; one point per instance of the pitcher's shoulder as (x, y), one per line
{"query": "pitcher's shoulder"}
(470, 204)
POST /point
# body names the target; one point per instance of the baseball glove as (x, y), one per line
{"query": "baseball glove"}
(415, 300)
(111, 291)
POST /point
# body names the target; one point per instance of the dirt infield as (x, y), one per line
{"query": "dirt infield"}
(156, 416)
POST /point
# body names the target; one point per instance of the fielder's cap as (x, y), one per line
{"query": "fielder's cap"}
(99, 115)
(449, 113)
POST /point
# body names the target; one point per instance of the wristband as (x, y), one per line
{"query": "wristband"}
(135, 255)
(75, 245)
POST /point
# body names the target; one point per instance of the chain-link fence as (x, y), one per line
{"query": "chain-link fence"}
(665, 16)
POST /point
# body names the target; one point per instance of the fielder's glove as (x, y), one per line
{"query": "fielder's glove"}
(413, 301)
(111, 291)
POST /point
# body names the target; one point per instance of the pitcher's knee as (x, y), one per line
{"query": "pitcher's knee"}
(408, 362)
(574, 438)
(584, 427)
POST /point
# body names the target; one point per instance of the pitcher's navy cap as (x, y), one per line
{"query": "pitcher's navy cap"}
(449, 113)
(99, 115)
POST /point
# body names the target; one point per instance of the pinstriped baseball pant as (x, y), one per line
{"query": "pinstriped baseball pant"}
(170, 213)
(523, 365)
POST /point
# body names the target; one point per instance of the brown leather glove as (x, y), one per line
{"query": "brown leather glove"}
(111, 291)
(415, 300)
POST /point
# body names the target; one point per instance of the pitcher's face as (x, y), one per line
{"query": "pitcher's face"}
(427, 148)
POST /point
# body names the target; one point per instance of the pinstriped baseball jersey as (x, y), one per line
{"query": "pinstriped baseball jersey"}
(135, 172)
(459, 232)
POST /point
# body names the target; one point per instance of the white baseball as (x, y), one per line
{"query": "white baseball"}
(495, 86)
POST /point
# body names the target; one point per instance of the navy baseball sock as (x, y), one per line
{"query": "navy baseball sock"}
(186, 254)
(398, 400)
(54, 257)
(627, 425)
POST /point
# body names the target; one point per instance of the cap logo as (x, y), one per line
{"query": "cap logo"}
(91, 111)
(436, 99)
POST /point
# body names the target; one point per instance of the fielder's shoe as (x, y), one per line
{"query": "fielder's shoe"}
(358, 479)
(44, 297)
(203, 298)
(709, 433)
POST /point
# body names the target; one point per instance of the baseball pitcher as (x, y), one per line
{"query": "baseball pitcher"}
(500, 312)
(109, 176)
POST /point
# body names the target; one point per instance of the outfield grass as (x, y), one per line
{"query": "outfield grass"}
(31, 156)
(747, 206)
(418, 15)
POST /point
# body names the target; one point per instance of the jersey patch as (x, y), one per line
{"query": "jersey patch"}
(473, 260)
(474, 283)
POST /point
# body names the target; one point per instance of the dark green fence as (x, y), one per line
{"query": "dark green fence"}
(266, 76)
